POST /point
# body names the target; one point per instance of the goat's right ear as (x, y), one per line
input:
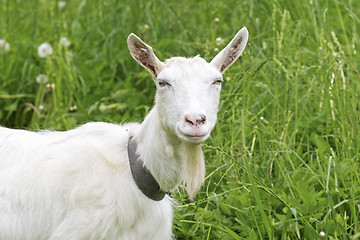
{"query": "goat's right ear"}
(144, 55)
(224, 59)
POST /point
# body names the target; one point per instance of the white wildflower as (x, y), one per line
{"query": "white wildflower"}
(42, 79)
(146, 26)
(50, 87)
(4, 46)
(64, 41)
(45, 50)
(61, 4)
(73, 108)
(7, 47)
(263, 120)
(216, 49)
(41, 107)
(322, 234)
(217, 20)
(227, 78)
(219, 40)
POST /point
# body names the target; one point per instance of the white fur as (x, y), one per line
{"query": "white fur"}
(78, 185)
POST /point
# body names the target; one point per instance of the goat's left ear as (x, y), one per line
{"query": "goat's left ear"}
(144, 55)
(224, 59)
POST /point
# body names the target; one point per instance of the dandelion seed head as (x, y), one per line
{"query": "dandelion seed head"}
(61, 4)
(217, 20)
(64, 41)
(45, 50)
(42, 79)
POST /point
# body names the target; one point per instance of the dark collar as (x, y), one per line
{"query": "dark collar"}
(142, 176)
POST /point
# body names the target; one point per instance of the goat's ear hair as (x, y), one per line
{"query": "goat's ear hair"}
(224, 59)
(144, 55)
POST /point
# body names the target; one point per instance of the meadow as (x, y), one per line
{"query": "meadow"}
(283, 160)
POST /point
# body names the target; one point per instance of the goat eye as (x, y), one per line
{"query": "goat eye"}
(163, 83)
(217, 81)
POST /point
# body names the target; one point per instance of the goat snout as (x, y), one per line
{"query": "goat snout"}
(195, 120)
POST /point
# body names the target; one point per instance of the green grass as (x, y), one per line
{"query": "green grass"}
(283, 160)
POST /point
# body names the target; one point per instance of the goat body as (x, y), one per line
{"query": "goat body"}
(74, 185)
(77, 184)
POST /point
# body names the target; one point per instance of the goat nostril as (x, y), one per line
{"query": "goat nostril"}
(195, 120)
(189, 121)
(201, 120)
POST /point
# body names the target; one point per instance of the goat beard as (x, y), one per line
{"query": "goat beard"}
(194, 169)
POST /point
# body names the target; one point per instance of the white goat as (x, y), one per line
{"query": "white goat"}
(108, 181)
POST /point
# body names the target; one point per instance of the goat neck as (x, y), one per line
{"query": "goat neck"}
(165, 155)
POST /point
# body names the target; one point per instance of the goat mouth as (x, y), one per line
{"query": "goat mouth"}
(196, 138)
